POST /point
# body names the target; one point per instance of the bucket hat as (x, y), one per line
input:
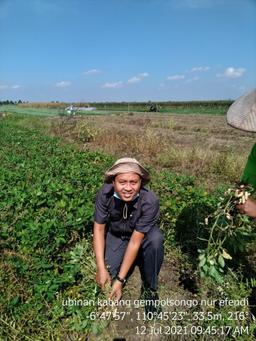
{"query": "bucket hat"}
(125, 165)
(242, 113)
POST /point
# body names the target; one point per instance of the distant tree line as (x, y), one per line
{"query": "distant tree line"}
(7, 102)
(158, 106)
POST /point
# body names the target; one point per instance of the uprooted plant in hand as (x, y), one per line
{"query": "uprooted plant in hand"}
(229, 233)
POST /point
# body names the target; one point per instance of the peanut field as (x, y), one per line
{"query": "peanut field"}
(51, 167)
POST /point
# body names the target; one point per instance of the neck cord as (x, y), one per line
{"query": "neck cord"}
(125, 211)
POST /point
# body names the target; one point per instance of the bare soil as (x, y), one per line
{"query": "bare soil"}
(131, 328)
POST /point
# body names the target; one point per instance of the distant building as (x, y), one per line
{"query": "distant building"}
(72, 110)
(86, 108)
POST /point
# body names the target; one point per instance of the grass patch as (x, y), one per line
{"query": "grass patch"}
(223, 165)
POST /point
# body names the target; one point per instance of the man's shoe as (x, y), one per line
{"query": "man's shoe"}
(151, 302)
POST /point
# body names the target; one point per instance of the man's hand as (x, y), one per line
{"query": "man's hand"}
(248, 208)
(102, 277)
(116, 292)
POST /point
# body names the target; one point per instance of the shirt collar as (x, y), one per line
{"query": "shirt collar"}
(134, 202)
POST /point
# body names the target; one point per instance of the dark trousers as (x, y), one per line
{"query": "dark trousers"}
(149, 258)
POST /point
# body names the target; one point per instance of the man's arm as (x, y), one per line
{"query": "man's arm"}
(129, 257)
(102, 274)
(249, 174)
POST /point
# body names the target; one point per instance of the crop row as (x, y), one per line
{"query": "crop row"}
(46, 205)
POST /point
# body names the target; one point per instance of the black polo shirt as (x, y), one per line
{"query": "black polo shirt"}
(122, 217)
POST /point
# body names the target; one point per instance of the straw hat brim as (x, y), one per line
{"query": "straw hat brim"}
(242, 113)
(126, 165)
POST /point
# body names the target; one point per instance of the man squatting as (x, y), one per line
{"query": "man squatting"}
(125, 232)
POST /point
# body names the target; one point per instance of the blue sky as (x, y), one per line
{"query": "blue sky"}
(127, 50)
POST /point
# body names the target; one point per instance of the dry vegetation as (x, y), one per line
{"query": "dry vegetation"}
(49, 105)
(43, 105)
(200, 145)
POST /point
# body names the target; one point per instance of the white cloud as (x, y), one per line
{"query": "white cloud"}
(92, 72)
(138, 78)
(242, 87)
(62, 84)
(15, 86)
(175, 77)
(200, 69)
(193, 79)
(113, 85)
(232, 72)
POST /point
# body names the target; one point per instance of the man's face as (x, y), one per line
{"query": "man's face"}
(127, 185)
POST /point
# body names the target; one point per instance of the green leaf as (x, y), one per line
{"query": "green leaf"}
(221, 261)
(201, 256)
(205, 268)
(202, 262)
(215, 274)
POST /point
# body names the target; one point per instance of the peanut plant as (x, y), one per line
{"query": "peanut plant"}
(229, 233)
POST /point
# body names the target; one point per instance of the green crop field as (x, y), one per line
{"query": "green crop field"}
(15, 109)
(49, 109)
(48, 187)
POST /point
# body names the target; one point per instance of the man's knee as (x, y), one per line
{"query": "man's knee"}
(155, 239)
